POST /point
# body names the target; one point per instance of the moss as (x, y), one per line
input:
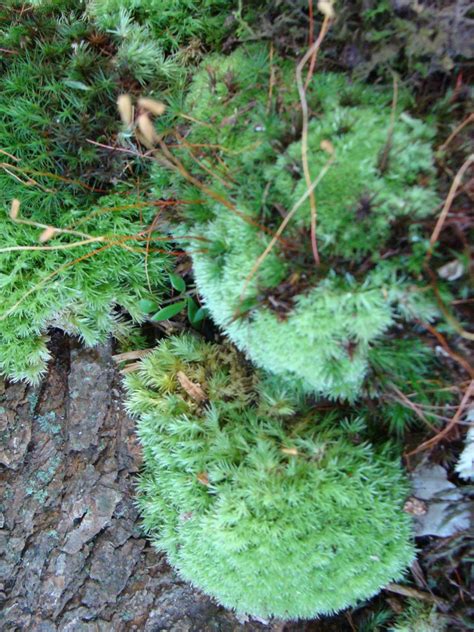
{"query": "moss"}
(419, 617)
(271, 512)
(308, 323)
(58, 93)
(174, 23)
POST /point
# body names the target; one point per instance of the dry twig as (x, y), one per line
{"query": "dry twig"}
(326, 8)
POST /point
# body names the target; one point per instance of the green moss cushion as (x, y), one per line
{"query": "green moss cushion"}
(272, 513)
(57, 93)
(291, 317)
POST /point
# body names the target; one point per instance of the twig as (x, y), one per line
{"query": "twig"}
(176, 164)
(447, 429)
(455, 356)
(466, 121)
(5, 153)
(284, 224)
(76, 244)
(404, 400)
(201, 164)
(313, 50)
(123, 150)
(449, 201)
(50, 276)
(406, 591)
(383, 160)
(310, 43)
(136, 354)
(27, 183)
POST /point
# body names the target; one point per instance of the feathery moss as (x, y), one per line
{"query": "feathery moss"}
(293, 318)
(57, 93)
(273, 513)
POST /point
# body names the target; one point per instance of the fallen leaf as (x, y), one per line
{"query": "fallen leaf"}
(203, 478)
(192, 389)
(415, 506)
(451, 271)
(290, 451)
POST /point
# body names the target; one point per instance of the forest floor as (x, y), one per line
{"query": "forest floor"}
(75, 558)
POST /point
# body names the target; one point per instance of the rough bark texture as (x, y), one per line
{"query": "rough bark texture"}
(74, 558)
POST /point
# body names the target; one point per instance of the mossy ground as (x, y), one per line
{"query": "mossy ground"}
(417, 379)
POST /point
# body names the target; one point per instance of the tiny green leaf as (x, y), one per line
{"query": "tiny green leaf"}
(78, 85)
(201, 314)
(147, 306)
(177, 282)
(169, 311)
(192, 309)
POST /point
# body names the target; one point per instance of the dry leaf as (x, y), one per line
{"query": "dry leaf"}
(192, 389)
(327, 146)
(131, 368)
(157, 108)
(451, 271)
(131, 355)
(47, 234)
(15, 209)
(415, 506)
(125, 108)
(290, 451)
(149, 136)
(203, 478)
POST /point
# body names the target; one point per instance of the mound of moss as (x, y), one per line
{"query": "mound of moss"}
(58, 90)
(242, 145)
(271, 512)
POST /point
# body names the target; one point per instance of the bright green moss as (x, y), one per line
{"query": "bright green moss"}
(51, 288)
(155, 38)
(271, 512)
(309, 323)
(57, 92)
(172, 22)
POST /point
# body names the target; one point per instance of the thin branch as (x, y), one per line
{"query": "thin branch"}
(383, 160)
(313, 50)
(466, 121)
(455, 356)
(447, 429)
(406, 591)
(449, 200)
(284, 224)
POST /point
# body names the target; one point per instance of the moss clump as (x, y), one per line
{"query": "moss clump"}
(156, 38)
(173, 22)
(272, 513)
(315, 324)
(58, 92)
(420, 617)
(82, 290)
